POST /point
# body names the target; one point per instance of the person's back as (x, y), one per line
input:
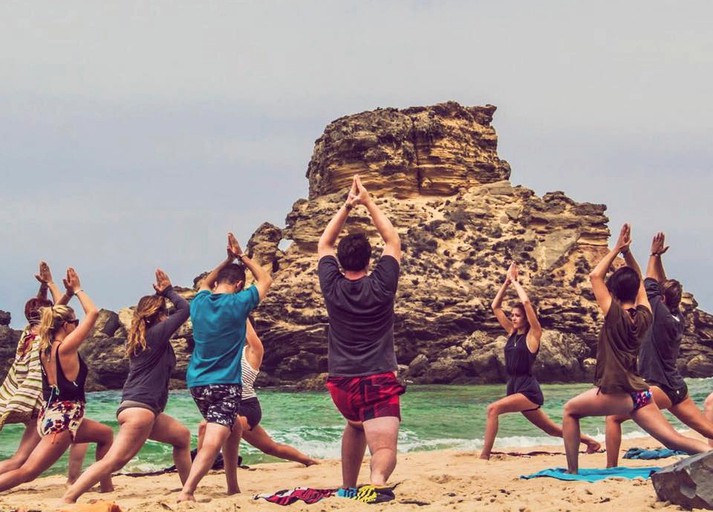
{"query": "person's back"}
(361, 318)
(362, 362)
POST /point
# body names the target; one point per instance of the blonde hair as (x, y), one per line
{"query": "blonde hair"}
(147, 311)
(51, 318)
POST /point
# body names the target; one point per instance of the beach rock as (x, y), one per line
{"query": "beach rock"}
(687, 483)
(436, 174)
(5, 318)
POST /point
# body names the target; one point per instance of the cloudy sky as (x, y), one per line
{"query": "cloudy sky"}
(136, 134)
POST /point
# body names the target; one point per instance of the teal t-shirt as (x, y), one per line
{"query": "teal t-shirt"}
(219, 335)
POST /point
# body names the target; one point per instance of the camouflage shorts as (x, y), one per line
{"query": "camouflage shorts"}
(218, 403)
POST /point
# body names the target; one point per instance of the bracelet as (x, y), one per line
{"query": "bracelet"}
(348, 206)
(624, 252)
(77, 292)
(655, 254)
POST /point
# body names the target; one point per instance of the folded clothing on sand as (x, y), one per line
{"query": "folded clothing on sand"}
(289, 496)
(656, 453)
(594, 475)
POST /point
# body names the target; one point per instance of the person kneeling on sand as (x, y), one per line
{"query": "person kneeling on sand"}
(361, 357)
(218, 313)
(523, 391)
(619, 388)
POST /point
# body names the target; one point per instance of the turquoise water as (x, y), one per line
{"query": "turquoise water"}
(434, 417)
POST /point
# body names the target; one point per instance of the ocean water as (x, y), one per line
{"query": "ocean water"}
(434, 417)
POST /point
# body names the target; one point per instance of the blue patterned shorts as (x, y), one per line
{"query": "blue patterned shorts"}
(218, 403)
(641, 399)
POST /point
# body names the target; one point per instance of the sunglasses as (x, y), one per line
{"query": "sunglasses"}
(74, 322)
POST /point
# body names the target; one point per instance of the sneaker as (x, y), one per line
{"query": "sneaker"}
(347, 492)
(373, 494)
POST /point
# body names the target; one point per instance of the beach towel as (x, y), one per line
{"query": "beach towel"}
(21, 391)
(595, 475)
(289, 496)
(657, 453)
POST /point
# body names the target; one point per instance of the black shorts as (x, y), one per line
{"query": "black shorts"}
(528, 386)
(250, 409)
(676, 395)
(218, 403)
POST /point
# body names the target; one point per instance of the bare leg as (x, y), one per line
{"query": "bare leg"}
(651, 420)
(708, 412)
(230, 457)
(77, 452)
(215, 436)
(135, 424)
(170, 431)
(613, 438)
(512, 403)
(48, 450)
(261, 440)
(543, 422)
(30, 439)
(589, 403)
(691, 415)
(381, 437)
(91, 431)
(353, 448)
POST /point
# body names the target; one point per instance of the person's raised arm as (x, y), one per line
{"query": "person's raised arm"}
(254, 349)
(535, 332)
(392, 242)
(497, 307)
(263, 279)
(165, 329)
(45, 278)
(655, 269)
(75, 338)
(597, 276)
(325, 246)
(209, 281)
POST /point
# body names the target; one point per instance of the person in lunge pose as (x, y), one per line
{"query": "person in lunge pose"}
(523, 391)
(361, 357)
(145, 394)
(619, 388)
(659, 352)
(218, 313)
(708, 411)
(250, 410)
(21, 391)
(64, 373)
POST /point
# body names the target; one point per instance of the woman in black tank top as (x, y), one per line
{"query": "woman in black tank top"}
(523, 390)
(62, 421)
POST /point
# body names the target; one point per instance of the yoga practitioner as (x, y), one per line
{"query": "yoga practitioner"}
(21, 391)
(145, 394)
(523, 391)
(250, 411)
(659, 352)
(61, 421)
(619, 388)
(708, 411)
(361, 357)
(218, 313)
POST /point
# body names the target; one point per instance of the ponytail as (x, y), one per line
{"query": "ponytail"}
(51, 318)
(146, 313)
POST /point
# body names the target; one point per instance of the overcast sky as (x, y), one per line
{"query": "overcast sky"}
(136, 134)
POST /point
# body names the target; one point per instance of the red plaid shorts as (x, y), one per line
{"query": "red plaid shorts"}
(366, 398)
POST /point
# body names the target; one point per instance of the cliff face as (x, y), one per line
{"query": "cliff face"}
(435, 173)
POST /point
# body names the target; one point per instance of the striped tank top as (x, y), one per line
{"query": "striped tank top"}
(249, 376)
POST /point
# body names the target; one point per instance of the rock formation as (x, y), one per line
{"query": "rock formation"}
(436, 173)
(687, 483)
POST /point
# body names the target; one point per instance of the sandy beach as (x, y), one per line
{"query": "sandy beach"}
(437, 480)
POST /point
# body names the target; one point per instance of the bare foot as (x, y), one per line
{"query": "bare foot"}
(592, 446)
(484, 456)
(311, 462)
(230, 492)
(184, 496)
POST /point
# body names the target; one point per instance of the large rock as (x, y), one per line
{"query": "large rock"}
(436, 174)
(688, 483)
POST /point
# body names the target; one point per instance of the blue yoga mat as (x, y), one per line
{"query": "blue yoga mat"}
(658, 453)
(594, 475)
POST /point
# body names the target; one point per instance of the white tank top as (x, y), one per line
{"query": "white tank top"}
(249, 376)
